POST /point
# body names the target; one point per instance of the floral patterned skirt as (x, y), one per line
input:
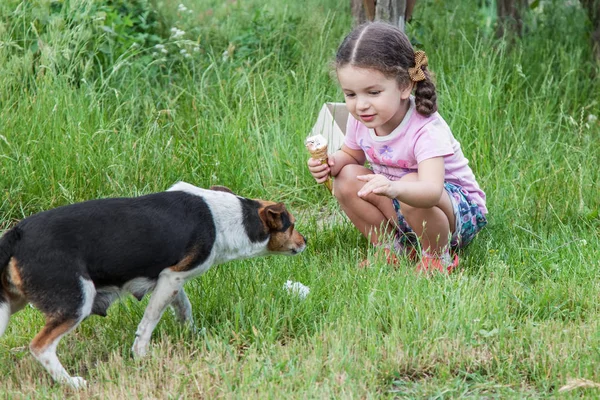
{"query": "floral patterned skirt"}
(467, 214)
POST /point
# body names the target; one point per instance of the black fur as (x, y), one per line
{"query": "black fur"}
(154, 232)
(252, 223)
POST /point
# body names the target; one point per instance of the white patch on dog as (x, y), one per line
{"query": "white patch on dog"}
(89, 293)
(232, 242)
(4, 316)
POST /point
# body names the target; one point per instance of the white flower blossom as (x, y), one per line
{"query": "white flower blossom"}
(176, 33)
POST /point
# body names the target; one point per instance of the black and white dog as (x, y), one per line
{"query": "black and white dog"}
(74, 261)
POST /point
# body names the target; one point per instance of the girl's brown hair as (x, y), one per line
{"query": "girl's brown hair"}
(383, 47)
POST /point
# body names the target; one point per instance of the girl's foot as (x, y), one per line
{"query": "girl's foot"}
(430, 264)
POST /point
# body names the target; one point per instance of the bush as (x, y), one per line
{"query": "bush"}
(76, 40)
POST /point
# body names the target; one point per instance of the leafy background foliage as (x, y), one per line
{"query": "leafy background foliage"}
(121, 98)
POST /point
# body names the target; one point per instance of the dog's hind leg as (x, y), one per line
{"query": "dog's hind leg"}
(58, 323)
(43, 348)
(183, 309)
(167, 288)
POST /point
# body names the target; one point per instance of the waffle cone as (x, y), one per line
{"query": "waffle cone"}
(318, 150)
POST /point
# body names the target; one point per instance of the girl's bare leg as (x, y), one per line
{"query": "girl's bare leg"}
(374, 216)
(432, 225)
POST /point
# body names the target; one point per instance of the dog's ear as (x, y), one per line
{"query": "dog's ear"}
(276, 217)
(218, 188)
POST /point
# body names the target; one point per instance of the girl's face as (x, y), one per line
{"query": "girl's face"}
(373, 99)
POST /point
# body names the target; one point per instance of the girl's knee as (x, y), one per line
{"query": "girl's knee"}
(345, 183)
(350, 172)
(342, 189)
(414, 216)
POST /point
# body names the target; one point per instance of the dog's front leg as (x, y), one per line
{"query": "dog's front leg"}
(167, 289)
(183, 309)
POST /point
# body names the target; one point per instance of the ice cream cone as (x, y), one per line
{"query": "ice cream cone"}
(317, 147)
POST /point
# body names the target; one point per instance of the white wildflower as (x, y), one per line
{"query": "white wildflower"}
(181, 8)
(176, 33)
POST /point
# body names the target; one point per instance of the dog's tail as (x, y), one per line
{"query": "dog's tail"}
(7, 245)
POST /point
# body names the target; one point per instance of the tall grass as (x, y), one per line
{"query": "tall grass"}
(519, 321)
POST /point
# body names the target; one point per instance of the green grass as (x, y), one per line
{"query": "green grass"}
(520, 320)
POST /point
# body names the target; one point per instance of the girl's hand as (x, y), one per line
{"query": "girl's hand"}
(377, 184)
(320, 171)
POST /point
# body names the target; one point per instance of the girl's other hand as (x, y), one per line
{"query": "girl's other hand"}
(318, 170)
(377, 184)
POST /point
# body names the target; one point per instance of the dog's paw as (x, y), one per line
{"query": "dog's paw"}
(76, 382)
(139, 349)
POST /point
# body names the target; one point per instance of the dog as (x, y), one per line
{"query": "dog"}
(74, 261)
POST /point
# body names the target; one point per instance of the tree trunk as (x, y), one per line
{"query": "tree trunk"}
(392, 11)
(593, 10)
(359, 14)
(510, 16)
(396, 12)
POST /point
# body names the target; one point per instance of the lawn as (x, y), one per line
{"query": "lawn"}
(97, 104)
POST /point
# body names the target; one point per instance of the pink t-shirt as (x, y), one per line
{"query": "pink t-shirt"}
(417, 138)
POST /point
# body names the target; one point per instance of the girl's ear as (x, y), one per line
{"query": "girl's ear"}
(405, 93)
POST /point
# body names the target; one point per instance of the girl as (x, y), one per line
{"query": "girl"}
(418, 187)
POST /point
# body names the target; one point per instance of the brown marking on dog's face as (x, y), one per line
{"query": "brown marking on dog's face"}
(55, 327)
(280, 224)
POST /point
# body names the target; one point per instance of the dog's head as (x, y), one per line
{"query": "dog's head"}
(280, 225)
